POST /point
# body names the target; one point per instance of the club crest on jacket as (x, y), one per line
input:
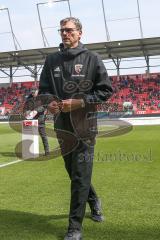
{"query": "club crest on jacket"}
(78, 68)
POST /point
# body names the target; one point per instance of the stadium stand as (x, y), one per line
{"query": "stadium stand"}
(136, 94)
(11, 98)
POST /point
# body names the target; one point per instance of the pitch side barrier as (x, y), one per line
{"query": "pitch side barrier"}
(136, 121)
(141, 119)
(4, 119)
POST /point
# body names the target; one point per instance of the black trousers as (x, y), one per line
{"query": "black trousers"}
(79, 164)
(42, 133)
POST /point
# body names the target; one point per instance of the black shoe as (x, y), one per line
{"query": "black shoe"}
(96, 211)
(73, 234)
(47, 154)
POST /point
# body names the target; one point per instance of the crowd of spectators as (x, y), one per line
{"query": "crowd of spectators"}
(142, 92)
(12, 97)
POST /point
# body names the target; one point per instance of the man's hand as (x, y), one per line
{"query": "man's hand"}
(69, 105)
(55, 107)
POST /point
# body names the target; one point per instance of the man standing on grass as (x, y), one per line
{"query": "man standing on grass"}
(79, 79)
(41, 116)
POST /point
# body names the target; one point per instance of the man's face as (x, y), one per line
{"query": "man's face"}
(35, 93)
(70, 34)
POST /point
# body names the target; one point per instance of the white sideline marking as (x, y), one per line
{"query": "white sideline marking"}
(10, 163)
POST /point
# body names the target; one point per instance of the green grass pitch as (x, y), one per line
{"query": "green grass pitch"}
(34, 195)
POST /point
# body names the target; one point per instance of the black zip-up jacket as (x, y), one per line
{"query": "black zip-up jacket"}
(76, 73)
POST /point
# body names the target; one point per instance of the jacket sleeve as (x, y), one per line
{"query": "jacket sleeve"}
(45, 82)
(102, 89)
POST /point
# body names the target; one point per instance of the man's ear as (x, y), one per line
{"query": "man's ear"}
(80, 34)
